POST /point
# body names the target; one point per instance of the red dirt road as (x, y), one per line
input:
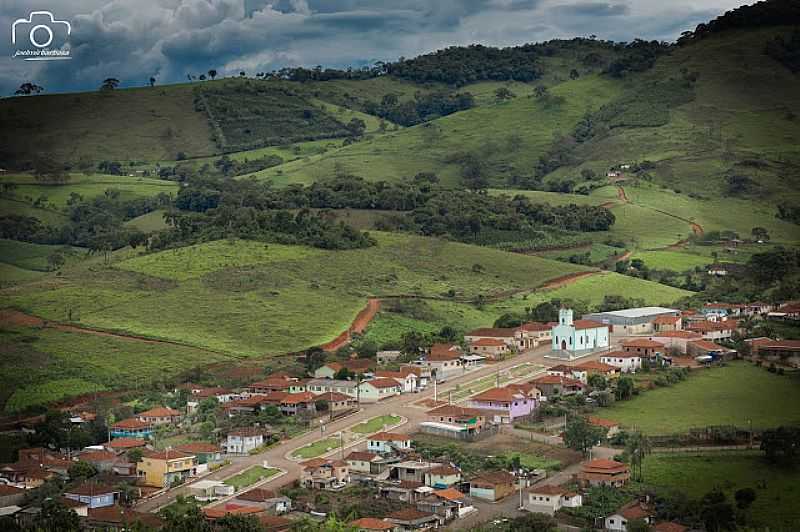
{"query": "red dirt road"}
(621, 194)
(358, 326)
(564, 280)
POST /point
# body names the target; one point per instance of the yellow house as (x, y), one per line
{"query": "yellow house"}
(165, 468)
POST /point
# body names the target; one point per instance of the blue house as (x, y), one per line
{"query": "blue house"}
(131, 428)
(94, 494)
(572, 337)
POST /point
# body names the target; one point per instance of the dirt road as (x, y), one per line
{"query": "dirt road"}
(359, 325)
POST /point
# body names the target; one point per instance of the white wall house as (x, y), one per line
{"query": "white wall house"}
(244, 440)
(626, 362)
(549, 499)
(388, 442)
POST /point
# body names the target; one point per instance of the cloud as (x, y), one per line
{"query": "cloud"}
(135, 39)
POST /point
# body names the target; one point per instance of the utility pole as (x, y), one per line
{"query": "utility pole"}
(435, 392)
(450, 397)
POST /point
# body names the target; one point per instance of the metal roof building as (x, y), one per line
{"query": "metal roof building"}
(631, 316)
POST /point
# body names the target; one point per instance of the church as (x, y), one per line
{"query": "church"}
(577, 337)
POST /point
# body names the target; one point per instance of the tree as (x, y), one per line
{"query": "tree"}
(135, 455)
(56, 516)
(781, 445)
(344, 374)
(242, 73)
(152, 81)
(202, 77)
(321, 405)
(55, 260)
(744, 498)
(136, 238)
(625, 387)
(637, 525)
(109, 84)
(413, 342)
(759, 234)
(574, 74)
(637, 447)
(540, 91)
(503, 93)
(238, 523)
(28, 88)
(212, 74)
(82, 470)
(582, 435)
(717, 514)
(597, 382)
(533, 522)
(356, 127)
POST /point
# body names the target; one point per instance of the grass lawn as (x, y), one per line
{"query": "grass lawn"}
(251, 476)
(375, 424)
(730, 395)
(317, 448)
(777, 503)
(34, 256)
(677, 261)
(147, 223)
(533, 461)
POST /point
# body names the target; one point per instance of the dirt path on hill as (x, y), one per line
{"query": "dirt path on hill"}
(359, 325)
(21, 319)
(565, 280)
(621, 194)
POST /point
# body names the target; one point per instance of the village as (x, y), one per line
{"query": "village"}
(292, 447)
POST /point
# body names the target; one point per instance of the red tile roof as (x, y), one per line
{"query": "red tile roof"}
(666, 320)
(535, 326)
(335, 397)
(594, 365)
(676, 334)
(249, 431)
(708, 326)
(161, 411)
(634, 510)
(643, 343)
(166, 454)
(788, 345)
(705, 345)
(488, 342)
(445, 470)
(409, 514)
(493, 332)
(197, 447)
(450, 494)
(588, 324)
(372, 523)
(257, 495)
(116, 514)
(97, 456)
(549, 489)
(91, 489)
(439, 352)
(362, 456)
(274, 522)
(299, 398)
(382, 383)
(620, 354)
(131, 423)
(602, 463)
(669, 526)
(454, 411)
(222, 510)
(600, 422)
(10, 490)
(498, 394)
(557, 379)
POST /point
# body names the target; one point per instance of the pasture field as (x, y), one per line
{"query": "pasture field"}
(375, 424)
(777, 503)
(399, 155)
(732, 395)
(250, 476)
(678, 261)
(34, 256)
(18, 207)
(242, 297)
(44, 365)
(598, 253)
(150, 222)
(88, 186)
(552, 198)
(10, 274)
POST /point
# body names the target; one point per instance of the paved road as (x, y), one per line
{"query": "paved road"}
(400, 405)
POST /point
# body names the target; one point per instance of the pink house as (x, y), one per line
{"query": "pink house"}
(503, 405)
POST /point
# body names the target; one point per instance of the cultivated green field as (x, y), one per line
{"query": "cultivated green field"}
(250, 298)
(777, 503)
(733, 395)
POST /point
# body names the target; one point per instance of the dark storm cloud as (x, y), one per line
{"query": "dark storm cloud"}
(135, 39)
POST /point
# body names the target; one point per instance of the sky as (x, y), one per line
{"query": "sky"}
(132, 40)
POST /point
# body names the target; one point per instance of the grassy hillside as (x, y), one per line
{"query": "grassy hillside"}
(508, 138)
(125, 125)
(249, 298)
(55, 196)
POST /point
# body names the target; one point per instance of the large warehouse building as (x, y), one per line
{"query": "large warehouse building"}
(633, 320)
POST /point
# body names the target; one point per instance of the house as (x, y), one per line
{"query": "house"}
(675, 341)
(122, 445)
(632, 321)
(643, 347)
(324, 474)
(704, 348)
(447, 504)
(338, 403)
(593, 367)
(625, 361)
(131, 428)
(469, 420)
(206, 453)
(407, 378)
(370, 524)
(388, 442)
(230, 508)
(493, 348)
(561, 370)
(102, 460)
(387, 357)
(275, 523)
(11, 495)
(320, 386)
(492, 485)
(80, 508)
(296, 404)
(611, 427)
(785, 351)
(633, 511)
(410, 519)
(244, 440)
(422, 371)
(270, 384)
(356, 366)
(161, 415)
(504, 405)
(508, 336)
(359, 461)
(206, 490)
(379, 389)
(93, 494)
(267, 499)
(601, 472)
(411, 470)
(253, 403)
(550, 499)
(669, 526)
(442, 476)
(405, 490)
(667, 322)
(444, 361)
(710, 330)
(718, 270)
(788, 311)
(530, 335)
(165, 468)
(115, 518)
(571, 337)
(52, 461)
(551, 385)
